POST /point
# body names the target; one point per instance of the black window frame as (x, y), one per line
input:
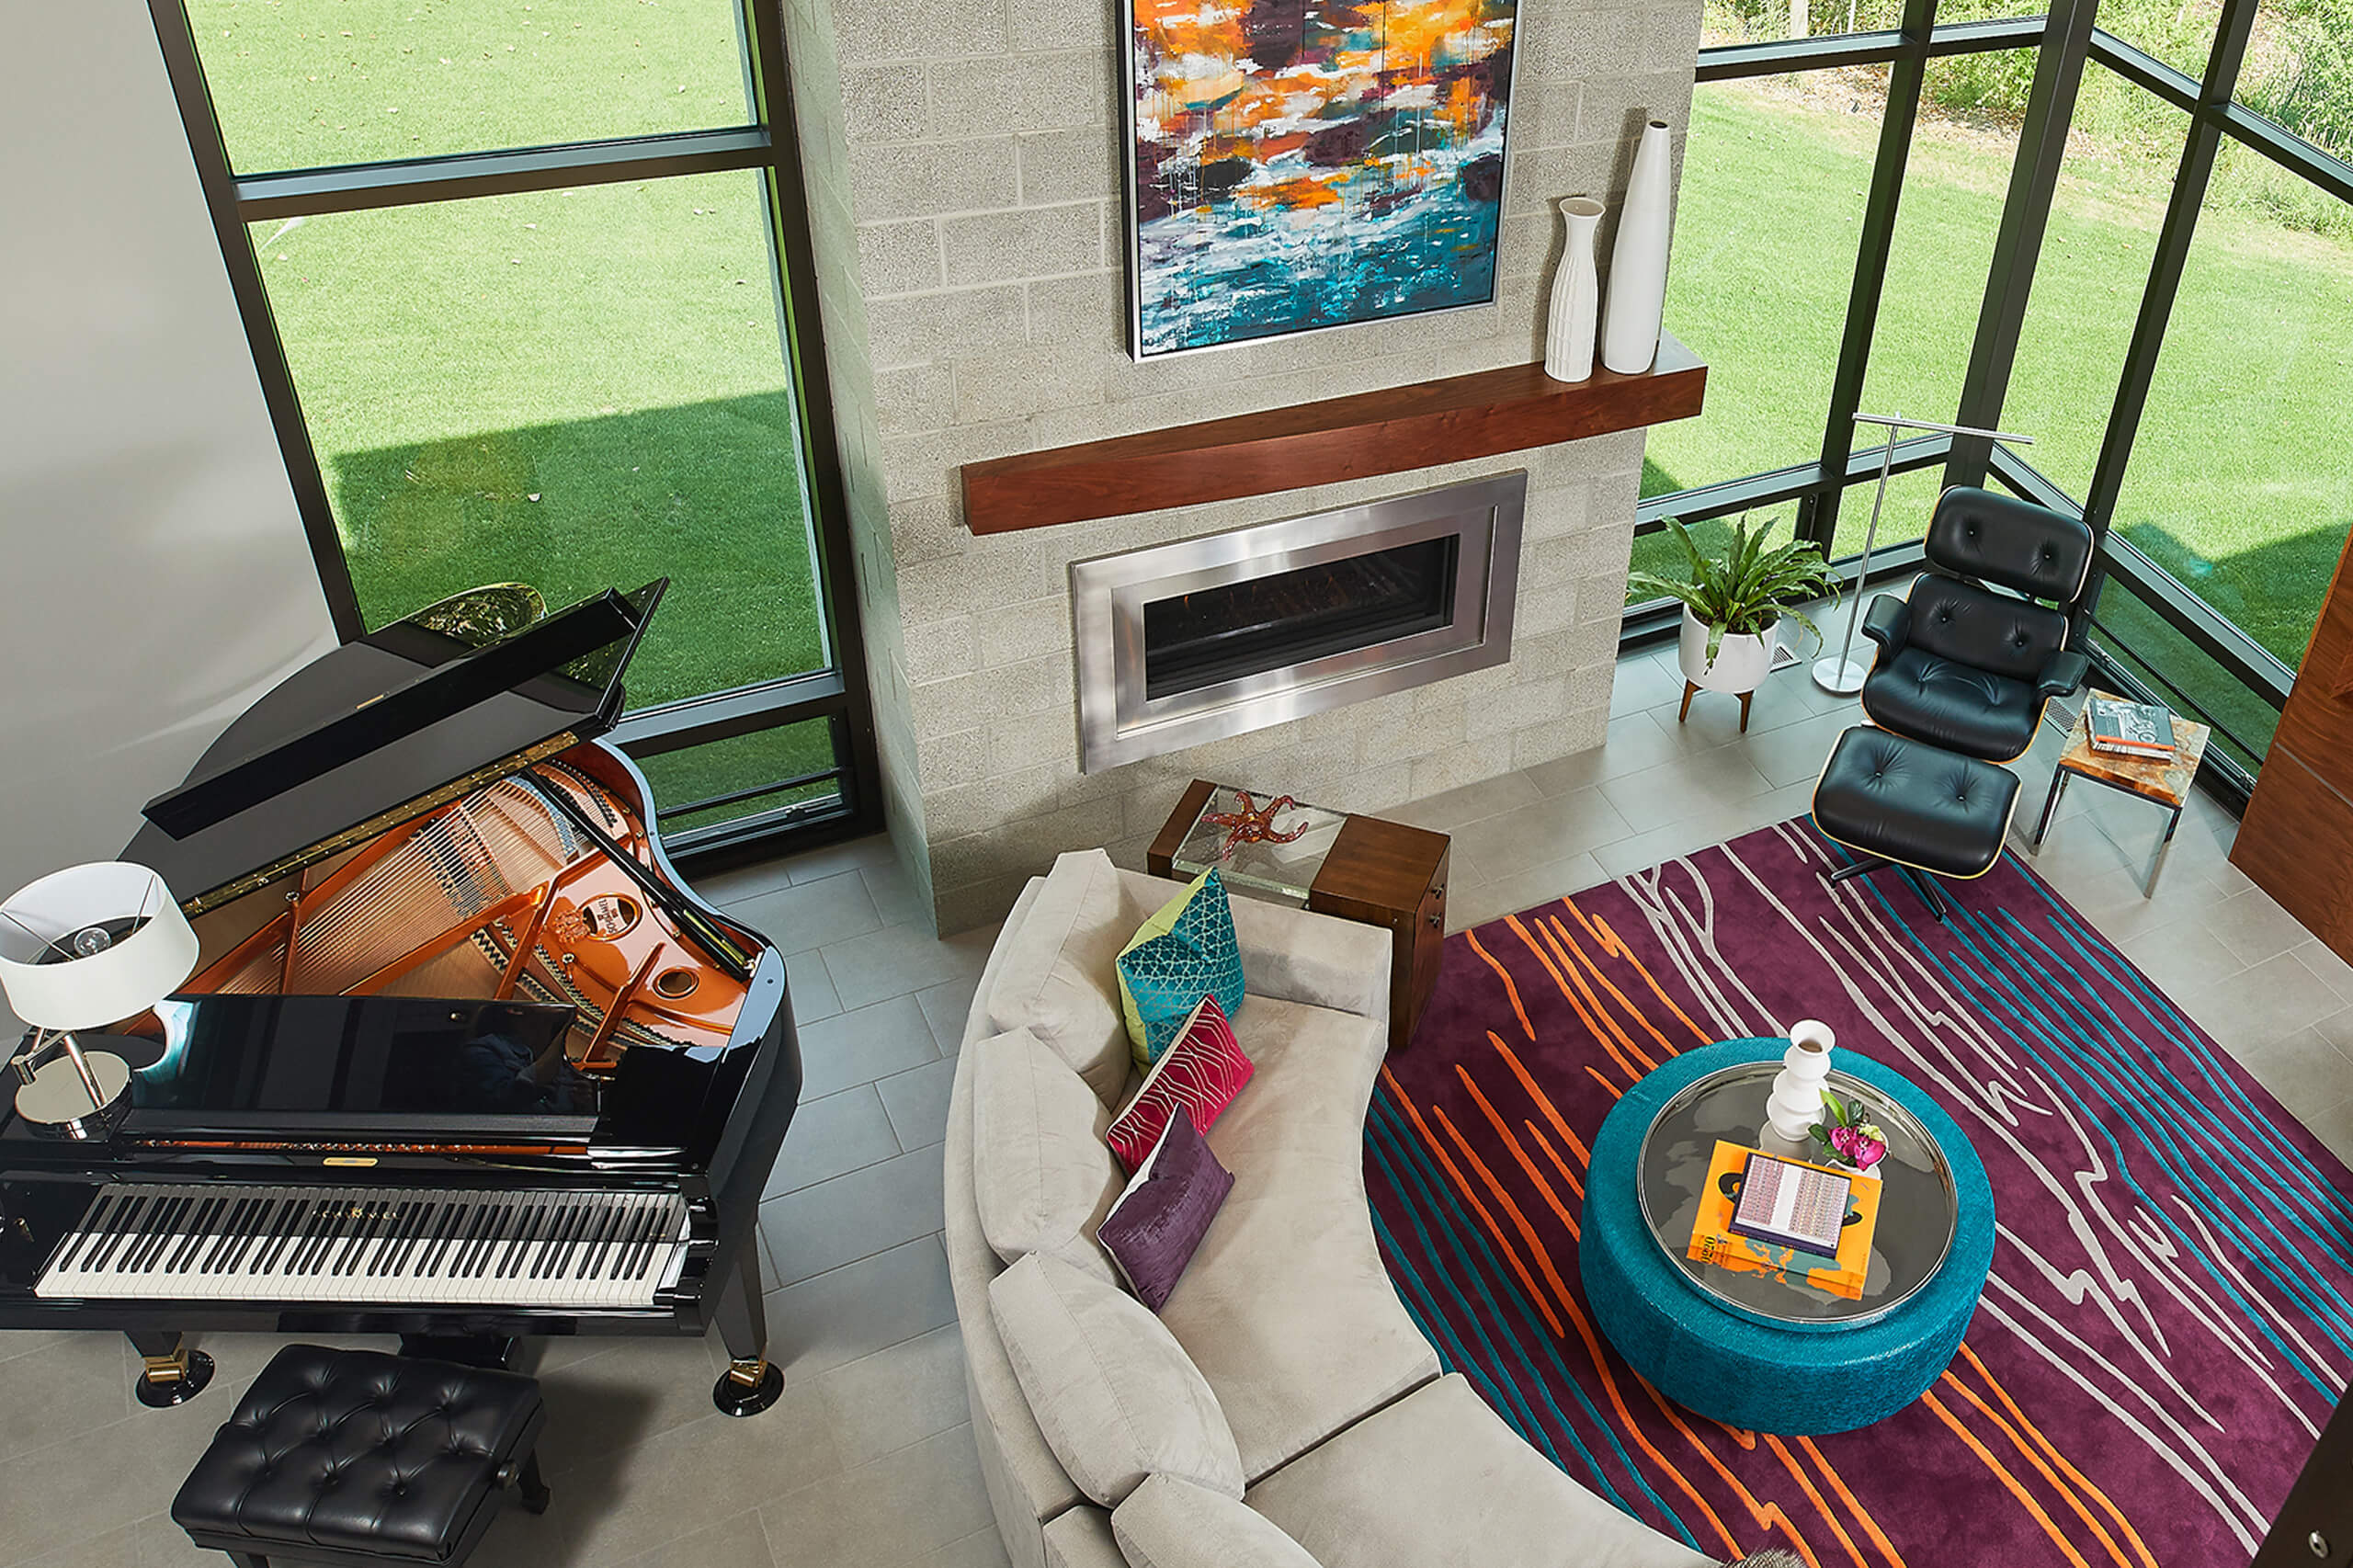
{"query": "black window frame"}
(839, 694)
(2066, 39)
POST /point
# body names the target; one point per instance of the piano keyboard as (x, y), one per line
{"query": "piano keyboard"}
(311, 1244)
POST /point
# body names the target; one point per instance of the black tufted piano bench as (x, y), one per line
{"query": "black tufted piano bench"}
(352, 1457)
(1928, 812)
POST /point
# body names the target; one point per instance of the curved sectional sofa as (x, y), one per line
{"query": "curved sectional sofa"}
(1351, 1442)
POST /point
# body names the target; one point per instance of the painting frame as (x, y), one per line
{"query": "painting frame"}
(1135, 269)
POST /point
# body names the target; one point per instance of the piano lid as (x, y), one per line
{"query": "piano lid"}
(383, 728)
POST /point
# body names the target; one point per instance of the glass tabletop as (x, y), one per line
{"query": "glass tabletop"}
(1918, 1211)
(1233, 835)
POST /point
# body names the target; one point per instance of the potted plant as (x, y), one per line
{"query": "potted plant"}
(1734, 602)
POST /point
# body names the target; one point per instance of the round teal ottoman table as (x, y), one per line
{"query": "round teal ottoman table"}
(1762, 1349)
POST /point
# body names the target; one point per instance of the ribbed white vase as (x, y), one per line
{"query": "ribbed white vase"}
(1574, 316)
(1795, 1103)
(1629, 325)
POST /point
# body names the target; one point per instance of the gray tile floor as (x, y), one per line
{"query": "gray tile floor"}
(868, 1462)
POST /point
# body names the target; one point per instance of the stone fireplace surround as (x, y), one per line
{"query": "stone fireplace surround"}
(964, 194)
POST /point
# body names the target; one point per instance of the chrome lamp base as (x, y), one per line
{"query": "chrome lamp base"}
(1844, 677)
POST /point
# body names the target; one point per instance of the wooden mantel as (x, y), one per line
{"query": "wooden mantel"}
(1389, 431)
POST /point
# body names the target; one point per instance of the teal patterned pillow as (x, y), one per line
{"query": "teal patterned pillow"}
(1183, 953)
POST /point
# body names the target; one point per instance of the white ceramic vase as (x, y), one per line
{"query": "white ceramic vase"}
(1630, 326)
(1795, 1103)
(1575, 315)
(1741, 661)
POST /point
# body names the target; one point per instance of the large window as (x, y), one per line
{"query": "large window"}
(2176, 194)
(521, 285)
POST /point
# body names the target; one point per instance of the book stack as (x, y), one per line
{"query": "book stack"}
(1768, 1215)
(2129, 729)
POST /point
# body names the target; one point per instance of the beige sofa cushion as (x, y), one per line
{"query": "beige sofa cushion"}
(1056, 974)
(1081, 1538)
(1042, 1176)
(1168, 1523)
(1111, 1389)
(1286, 1307)
(1437, 1480)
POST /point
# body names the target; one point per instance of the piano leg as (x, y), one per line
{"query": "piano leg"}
(752, 1381)
(173, 1374)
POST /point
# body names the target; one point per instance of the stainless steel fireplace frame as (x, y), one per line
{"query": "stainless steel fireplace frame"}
(1119, 724)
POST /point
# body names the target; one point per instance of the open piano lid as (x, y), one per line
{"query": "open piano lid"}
(388, 727)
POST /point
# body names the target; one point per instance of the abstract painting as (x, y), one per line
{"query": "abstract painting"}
(1304, 164)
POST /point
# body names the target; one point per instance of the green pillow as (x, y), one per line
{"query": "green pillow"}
(1183, 953)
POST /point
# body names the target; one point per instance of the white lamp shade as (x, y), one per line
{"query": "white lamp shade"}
(120, 981)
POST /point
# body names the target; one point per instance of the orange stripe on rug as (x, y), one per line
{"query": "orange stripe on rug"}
(2140, 1548)
(1591, 1006)
(1558, 1164)
(1615, 947)
(1769, 1516)
(1568, 1304)
(1413, 1114)
(2018, 1440)
(1511, 988)
(1544, 1101)
(1511, 1143)
(1829, 1516)
(2001, 1472)
(1562, 931)
(1862, 1514)
(1604, 1034)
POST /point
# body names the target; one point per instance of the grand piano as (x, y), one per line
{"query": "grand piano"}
(461, 1059)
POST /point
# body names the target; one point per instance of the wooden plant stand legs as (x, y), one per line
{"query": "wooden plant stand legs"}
(1691, 689)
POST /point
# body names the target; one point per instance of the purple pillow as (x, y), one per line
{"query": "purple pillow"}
(1159, 1218)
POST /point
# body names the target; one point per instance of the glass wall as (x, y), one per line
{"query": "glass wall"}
(520, 282)
(2224, 495)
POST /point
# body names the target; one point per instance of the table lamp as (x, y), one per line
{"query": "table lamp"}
(82, 947)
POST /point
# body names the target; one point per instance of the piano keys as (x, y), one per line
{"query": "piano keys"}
(461, 1056)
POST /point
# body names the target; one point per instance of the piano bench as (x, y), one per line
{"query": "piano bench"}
(345, 1457)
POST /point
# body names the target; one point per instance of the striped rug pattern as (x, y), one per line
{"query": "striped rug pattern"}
(2169, 1319)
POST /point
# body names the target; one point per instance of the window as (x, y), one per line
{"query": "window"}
(1745, 273)
(520, 283)
(2179, 358)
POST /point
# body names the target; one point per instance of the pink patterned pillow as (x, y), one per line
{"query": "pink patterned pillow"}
(1202, 1071)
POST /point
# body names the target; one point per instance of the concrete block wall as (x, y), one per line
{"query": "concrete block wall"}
(963, 160)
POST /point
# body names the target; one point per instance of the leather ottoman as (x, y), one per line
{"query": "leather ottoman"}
(1900, 802)
(350, 1457)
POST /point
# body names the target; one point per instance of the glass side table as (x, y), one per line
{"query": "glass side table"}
(1357, 867)
(1918, 1213)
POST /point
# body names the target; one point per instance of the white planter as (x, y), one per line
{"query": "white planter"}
(1630, 327)
(1741, 663)
(1574, 318)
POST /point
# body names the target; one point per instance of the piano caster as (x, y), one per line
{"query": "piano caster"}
(751, 1385)
(174, 1379)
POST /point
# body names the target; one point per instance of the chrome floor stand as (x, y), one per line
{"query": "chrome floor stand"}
(1844, 675)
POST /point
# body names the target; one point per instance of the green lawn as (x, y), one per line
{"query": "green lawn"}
(579, 389)
(2240, 483)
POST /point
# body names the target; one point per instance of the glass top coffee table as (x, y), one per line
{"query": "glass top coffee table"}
(1918, 1212)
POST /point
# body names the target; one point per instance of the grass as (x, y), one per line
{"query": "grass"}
(2240, 483)
(579, 389)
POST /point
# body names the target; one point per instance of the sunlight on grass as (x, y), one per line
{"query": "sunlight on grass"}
(574, 389)
(302, 84)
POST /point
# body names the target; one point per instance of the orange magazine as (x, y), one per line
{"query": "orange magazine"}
(1712, 1240)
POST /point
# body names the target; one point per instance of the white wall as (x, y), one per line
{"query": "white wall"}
(154, 576)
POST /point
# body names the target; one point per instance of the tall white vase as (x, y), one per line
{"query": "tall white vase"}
(1571, 324)
(1629, 325)
(1795, 1103)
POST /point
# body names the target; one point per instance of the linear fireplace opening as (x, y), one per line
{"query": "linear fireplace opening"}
(1192, 642)
(1290, 617)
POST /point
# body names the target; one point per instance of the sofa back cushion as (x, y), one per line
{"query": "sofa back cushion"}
(1057, 975)
(1168, 1523)
(1115, 1396)
(1043, 1179)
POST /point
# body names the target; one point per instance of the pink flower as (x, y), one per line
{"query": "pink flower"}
(1862, 1147)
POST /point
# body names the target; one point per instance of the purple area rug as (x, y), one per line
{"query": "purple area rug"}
(2169, 1318)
